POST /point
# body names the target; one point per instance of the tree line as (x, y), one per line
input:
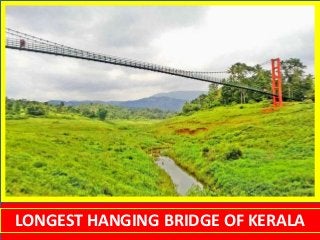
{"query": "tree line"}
(296, 85)
(22, 108)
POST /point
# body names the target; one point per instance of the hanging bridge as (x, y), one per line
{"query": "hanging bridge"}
(25, 42)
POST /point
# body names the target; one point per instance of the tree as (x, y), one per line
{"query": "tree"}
(35, 110)
(190, 107)
(292, 68)
(260, 79)
(9, 104)
(88, 113)
(309, 87)
(295, 84)
(230, 94)
(102, 114)
(16, 107)
(214, 95)
(60, 108)
(239, 73)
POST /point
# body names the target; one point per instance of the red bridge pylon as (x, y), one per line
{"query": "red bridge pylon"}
(276, 80)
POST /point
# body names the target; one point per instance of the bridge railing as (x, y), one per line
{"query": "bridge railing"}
(15, 39)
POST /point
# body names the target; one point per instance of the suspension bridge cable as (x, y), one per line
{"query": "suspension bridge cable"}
(26, 42)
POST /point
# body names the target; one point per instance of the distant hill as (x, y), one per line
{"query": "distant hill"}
(163, 103)
(169, 101)
(184, 95)
(75, 103)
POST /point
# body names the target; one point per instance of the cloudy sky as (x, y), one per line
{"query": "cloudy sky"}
(191, 38)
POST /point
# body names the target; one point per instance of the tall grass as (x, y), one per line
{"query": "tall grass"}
(246, 151)
(249, 150)
(48, 157)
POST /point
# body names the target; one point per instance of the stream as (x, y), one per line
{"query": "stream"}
(181, 179)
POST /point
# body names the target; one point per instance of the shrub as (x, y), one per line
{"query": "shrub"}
(39, 164)
(102, 114)
(88, 113)
(308, 101)
(233, 153)
(265, 103)
(190, 107)
(35, 110)
(205, 151)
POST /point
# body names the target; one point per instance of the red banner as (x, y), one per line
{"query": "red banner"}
(160, 220)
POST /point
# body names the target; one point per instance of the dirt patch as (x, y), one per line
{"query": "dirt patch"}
(269, 110)
(188, 131)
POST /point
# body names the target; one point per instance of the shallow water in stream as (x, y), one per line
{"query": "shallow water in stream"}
(181, 179)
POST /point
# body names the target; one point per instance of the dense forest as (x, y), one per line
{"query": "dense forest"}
(297, 86)
(19, 109)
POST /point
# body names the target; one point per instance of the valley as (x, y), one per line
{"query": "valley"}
(238, 150)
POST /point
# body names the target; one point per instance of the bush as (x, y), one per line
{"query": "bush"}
(39, 164)
(233, 153)
(205, 151)
(35, 111)
(308, 101)
(265, 103)
(190, 107)
(88, 113)
(102, 114)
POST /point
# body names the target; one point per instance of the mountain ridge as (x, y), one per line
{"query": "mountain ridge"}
(167, 101)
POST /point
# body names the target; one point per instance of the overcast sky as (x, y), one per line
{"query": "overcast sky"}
(191, 38)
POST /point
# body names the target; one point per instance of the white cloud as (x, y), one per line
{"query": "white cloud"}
(192, 38)
(247, 34)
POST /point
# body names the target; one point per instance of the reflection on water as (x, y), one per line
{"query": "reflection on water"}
(182, 180)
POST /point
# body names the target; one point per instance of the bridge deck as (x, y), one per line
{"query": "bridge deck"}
(24, 42)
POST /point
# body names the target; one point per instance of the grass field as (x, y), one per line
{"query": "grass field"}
(80, 157)
(248, 150)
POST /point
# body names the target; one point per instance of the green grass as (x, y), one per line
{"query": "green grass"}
(277, 149)
(247, 150)
(80, 157)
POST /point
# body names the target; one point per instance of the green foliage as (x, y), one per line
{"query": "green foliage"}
(240, 150)
(296, 86)
(242, 74)
(88, 113)
(233, 153)
(211, 100)
(89, 158)
(18, 109)
(102, 114)
(250, 151)
(81, 157)
(190, 107)
(35, 110)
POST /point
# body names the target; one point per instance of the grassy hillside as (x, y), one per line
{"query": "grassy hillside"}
(235, 151)
(81, 157)
(246, 150)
